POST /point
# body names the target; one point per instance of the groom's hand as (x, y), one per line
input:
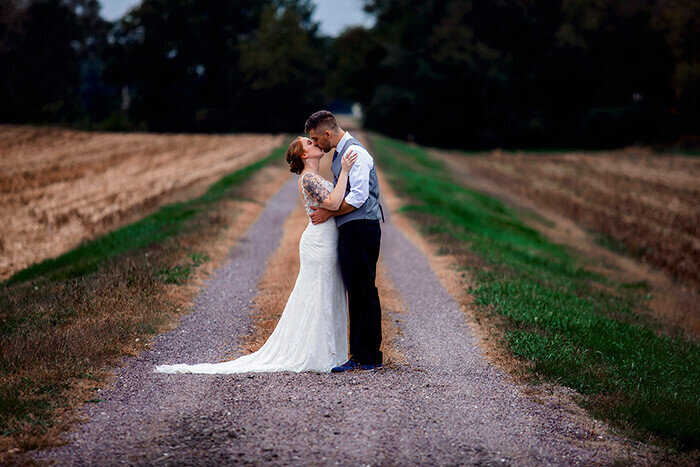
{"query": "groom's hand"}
(320, 215)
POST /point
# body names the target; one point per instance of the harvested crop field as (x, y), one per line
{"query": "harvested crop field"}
(649, 203)
(59, 187)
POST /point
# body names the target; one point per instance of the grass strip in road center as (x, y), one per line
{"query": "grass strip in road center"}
(570, 325)
(65, 320)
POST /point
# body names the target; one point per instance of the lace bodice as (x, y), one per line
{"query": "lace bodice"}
(309, 201)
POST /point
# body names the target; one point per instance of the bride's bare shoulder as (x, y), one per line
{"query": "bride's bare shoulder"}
(306, 177)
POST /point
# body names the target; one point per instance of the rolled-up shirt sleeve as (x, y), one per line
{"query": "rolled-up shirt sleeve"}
(358, 178)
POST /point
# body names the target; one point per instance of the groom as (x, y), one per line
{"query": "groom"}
(358, 239)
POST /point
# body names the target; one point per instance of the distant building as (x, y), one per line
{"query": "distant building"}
(126, 98)
(356, 110)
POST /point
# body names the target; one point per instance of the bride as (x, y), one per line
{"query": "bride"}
(312, 333)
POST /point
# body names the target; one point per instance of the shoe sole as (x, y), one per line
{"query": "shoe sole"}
(374, 368)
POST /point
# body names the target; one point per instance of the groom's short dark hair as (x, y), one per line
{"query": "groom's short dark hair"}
(323, 119)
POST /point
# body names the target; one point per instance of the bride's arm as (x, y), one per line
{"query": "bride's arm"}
(329, 200)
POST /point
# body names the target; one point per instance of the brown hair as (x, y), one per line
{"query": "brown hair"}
(322, 118)
(294, 152)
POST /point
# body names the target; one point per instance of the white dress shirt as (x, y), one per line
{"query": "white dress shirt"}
(358, 178)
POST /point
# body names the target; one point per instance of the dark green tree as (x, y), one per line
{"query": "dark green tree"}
(353, 67)
(524, 73)
(216, 66)
(39, 62)
(179, 61)
(284, 75)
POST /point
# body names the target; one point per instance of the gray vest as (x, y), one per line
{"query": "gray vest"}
(371, 209)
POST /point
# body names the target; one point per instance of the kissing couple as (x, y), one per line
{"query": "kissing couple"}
(338, 263)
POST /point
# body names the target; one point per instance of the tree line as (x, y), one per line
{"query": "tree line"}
(167, 65)
(452, 73)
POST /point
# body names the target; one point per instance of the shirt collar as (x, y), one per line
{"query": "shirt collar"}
(343, 140)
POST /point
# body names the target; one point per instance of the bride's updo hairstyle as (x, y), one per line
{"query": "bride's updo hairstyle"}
(294, 153)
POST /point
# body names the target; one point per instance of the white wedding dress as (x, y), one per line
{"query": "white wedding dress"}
(312, 333)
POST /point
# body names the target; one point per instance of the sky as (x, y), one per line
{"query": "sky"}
(333, 15)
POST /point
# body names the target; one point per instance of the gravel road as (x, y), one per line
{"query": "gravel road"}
(447, 405)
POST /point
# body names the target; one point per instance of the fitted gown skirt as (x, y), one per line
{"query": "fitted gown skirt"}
(312, 333)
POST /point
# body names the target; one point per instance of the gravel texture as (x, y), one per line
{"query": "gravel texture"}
(447, 405)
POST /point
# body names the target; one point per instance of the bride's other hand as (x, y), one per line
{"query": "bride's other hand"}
(348, 160)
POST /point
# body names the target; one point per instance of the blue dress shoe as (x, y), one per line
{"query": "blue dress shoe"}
(354, 365)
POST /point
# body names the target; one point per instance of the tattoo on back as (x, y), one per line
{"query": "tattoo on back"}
(314, 187)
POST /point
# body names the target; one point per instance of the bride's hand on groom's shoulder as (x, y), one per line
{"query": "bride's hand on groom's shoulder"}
(319, 215)
(348, 160)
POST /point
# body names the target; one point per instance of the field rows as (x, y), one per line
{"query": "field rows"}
(649, 203)
(59, 187)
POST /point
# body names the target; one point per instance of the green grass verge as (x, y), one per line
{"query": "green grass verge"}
(167, 222)
(181, 272)
(572, 326)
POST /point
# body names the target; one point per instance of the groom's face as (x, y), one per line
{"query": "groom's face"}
(321, 139)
